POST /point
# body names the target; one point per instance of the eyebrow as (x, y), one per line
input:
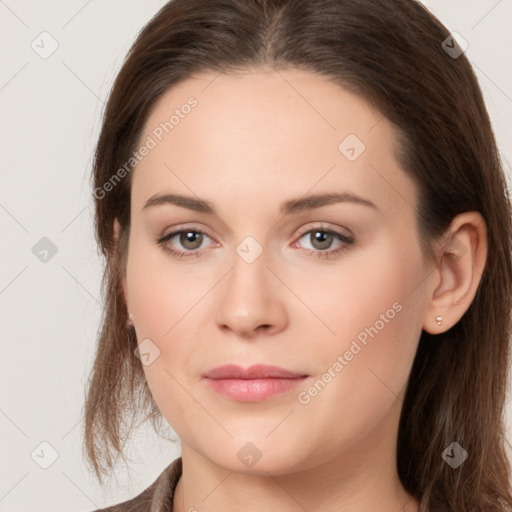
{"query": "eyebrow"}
(288, 207)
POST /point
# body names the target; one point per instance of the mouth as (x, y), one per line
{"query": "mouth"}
(253, 384)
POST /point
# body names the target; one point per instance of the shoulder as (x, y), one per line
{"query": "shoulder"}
(155, 498)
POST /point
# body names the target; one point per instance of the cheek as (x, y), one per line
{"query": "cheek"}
(173, 397)
(374, 288)
(161, 292)
(164, 300)
(376, 312)
(368, 364)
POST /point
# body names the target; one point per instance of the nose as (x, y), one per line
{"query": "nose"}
(251, 300)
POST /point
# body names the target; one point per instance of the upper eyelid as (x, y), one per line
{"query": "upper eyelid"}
(179, 229)
(322, 227)
(309, 226)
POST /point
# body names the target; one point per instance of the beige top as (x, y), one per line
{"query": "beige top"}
(157, 497)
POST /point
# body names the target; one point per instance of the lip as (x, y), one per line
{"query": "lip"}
(257, 371)
(254, 384)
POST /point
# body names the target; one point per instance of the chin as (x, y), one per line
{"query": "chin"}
(241, 455)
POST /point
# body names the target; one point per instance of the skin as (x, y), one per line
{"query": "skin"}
(252, 142)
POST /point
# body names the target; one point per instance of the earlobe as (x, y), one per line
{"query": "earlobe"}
(459, 271)
(116, 229)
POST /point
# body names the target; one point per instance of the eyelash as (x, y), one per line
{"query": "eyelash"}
(347, 241)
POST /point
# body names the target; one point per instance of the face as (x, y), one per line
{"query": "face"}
(302, 255)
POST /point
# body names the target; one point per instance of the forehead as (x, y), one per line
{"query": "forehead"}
(265, 131)
(300, 101)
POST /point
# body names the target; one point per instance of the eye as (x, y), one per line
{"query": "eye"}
(191, 240)
(188, 242)
(322, 239)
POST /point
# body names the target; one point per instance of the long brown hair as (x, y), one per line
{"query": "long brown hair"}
(390, 52)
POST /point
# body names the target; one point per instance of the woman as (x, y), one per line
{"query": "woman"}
(308, 261)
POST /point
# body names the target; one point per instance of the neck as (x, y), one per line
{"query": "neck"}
(316, 490)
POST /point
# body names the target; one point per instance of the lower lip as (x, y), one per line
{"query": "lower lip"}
(253, 390)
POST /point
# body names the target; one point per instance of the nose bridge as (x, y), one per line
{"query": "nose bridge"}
(250, 266)
(250, 298)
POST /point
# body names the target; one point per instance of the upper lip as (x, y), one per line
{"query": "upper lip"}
(258, 371)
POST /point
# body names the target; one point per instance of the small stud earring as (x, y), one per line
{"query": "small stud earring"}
(439, 320)
(130, 315)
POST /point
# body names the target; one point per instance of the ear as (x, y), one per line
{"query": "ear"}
(117, 233)
(453, 285)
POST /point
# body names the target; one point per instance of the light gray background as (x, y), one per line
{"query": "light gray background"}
(50, 311)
